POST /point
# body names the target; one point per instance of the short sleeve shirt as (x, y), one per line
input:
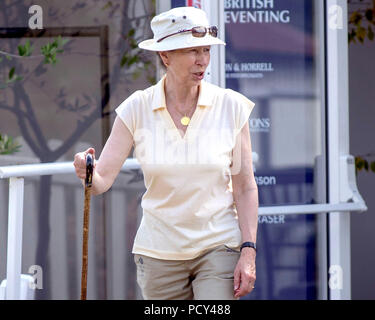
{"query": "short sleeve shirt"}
(188, 205)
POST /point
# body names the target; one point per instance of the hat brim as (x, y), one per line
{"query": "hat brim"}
(179, 42)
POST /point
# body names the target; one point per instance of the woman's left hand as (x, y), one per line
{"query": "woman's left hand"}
(244, 274)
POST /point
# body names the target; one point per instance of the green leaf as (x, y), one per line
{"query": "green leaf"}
(372, 166)
(350, 38)
(361, 34)
(131, 32)
(133, 60)
(25, 50)
(369, 14)
(51, 49)
(7, 145)
(107, 5)
(11, 73)
(355, 18)
(21, 50)
(359, 163)
(133, 44)
(8, 142)
(370, 33)
(64, 42)
(366, 165)
(124, 60)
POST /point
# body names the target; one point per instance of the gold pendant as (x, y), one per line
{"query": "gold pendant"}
(185, 121)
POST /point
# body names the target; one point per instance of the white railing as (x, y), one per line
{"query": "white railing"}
(17, 173)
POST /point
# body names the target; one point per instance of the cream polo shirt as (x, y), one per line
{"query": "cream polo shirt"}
(188, 205)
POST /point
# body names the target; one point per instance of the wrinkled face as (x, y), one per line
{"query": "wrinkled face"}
(187, 66)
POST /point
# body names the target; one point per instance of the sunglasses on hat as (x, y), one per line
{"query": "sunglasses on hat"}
(197, 32)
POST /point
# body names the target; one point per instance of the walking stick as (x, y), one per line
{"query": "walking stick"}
(86, 216)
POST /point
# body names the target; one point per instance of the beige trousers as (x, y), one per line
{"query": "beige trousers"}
(207, 277)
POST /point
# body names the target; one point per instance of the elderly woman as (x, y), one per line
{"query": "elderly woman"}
(198, 232)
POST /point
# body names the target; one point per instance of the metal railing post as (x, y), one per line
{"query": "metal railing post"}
(14, 251)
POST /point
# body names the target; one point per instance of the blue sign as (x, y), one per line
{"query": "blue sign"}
(271, 57)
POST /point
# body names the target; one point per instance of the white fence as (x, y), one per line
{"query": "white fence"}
(117, 275)
(66, 204)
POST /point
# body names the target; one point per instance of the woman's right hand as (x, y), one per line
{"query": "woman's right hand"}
(80, 162)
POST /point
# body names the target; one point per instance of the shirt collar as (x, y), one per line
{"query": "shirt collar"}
(205, 98)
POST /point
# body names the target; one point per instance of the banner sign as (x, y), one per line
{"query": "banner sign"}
(271, 57)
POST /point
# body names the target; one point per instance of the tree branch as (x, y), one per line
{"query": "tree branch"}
(16, 112)
(20, 93)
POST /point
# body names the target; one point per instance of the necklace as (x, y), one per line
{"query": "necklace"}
(185, 120)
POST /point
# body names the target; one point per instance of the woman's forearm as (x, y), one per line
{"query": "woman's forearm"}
(98, 184)
(115, 152)
(247, 211)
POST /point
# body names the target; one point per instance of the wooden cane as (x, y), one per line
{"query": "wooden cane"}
(86, 221)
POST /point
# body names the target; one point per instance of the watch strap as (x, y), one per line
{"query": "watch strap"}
(249, 245)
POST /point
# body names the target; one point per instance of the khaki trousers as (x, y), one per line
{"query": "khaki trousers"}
(207, 277)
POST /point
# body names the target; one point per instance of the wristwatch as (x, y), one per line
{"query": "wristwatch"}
(249, 245)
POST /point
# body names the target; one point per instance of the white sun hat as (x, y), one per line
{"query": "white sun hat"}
(173, 30)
